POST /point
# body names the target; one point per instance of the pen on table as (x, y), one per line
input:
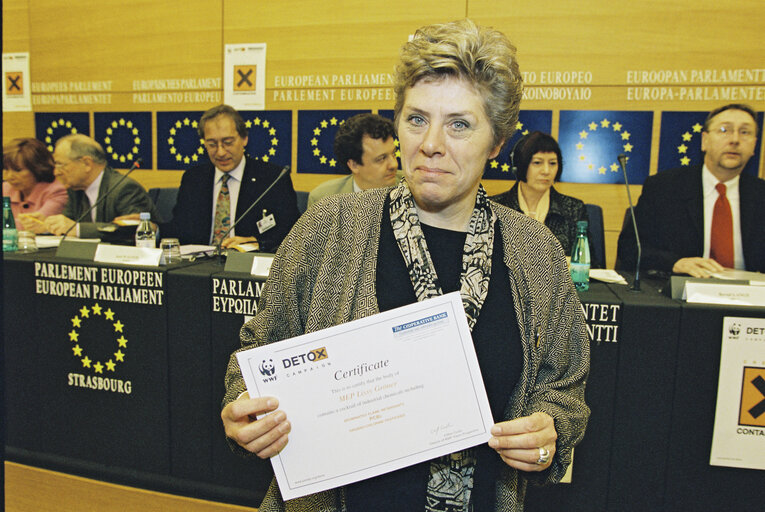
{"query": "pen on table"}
(27, 216)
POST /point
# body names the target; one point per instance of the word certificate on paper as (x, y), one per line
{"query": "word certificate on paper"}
(373, 395)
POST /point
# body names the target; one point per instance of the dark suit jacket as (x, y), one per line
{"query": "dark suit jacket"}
(670, 220)
(192, 214)
(565, 211)
(126, 198)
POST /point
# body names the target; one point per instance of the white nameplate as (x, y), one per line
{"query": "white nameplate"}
(127, 255)
(728, 294)
(373, 395)
(261, 265)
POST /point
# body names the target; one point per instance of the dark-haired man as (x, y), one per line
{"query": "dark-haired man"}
(700, 220)
(364, 147)
(213, 195)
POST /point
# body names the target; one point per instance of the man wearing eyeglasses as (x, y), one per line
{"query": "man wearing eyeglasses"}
(81, 166)
(213, 195)
(700, 220)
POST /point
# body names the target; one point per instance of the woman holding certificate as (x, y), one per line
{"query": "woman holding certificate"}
(458, 90)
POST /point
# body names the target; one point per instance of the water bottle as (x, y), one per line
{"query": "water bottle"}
(145, 236)
(10, 235)
(580, 258)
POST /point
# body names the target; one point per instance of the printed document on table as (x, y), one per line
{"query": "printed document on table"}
(373, 395)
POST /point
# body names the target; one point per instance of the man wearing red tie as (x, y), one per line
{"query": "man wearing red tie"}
(700, 220)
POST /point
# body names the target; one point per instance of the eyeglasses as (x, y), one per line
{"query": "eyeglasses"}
(727, 131)
(227, 144)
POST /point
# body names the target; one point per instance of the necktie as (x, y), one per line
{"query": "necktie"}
(222, 211)
(721, 246)
(84, 205)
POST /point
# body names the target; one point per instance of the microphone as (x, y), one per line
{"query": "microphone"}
(285, 171)
(102, 197)
(636, 283)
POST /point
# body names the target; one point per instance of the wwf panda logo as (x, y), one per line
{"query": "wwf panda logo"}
(267, 367)
(735, 330)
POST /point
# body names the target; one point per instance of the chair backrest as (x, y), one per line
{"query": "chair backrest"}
(626, 225)
(597, 235)
(302, 201)
(164, 199)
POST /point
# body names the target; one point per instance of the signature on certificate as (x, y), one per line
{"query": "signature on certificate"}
(440, 428)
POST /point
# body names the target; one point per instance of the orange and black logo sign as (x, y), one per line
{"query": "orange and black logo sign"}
(752, 411)
(244, 77)
(14, 83)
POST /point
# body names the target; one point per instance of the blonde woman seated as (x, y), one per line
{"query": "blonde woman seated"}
(29, 181)
(538, 163)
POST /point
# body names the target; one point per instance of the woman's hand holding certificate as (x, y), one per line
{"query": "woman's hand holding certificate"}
(264, 437)
(389, 390)
(522, 442)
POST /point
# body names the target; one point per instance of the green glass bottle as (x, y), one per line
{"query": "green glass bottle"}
(580, 258)
(10, 235)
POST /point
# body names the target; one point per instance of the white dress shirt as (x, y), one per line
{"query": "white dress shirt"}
(92, 193)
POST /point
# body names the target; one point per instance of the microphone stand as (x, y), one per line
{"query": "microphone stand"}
(103, 196)
(219, 248)
(636, 283)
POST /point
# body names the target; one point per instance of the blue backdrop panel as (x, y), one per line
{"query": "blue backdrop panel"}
(51, 126)
(125, 136)
(179, 145)
(269, 135)
(591, 140)
(316, 134)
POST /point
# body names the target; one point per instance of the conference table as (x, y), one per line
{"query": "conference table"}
(117, 373)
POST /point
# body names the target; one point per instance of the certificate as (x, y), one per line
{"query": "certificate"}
(373, 395)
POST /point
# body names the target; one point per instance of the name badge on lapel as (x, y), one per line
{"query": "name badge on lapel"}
(266, 223)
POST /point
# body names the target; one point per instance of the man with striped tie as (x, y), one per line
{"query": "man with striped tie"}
(213, 195)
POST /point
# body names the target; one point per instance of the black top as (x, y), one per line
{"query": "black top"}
(498, 347)
(562, 216)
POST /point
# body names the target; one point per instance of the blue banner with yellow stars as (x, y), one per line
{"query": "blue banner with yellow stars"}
(500, 168)
(591, 141)
(51, 126)
(387, 113)
(680, 141)
(179, 145)
(316, 135)
(269, 135)
(125, 136)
